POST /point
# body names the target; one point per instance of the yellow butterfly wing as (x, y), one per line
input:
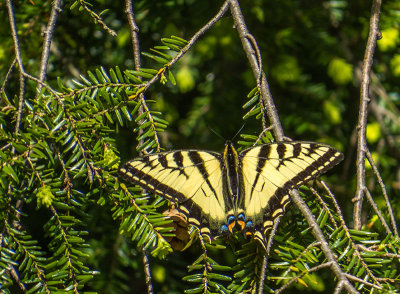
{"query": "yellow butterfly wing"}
(270, 171)
(191, 179)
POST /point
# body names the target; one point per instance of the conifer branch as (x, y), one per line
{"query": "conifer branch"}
(316, 230)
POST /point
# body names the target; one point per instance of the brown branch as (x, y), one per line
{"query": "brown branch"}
(250, 47)
(266, 255)
(361, 281)
(138, 64)
(134, 33)
(383, 188)
(339, 287)
(48, 35)
(20, 64)
(376, 209)
(146, 265)
(363, 112)
(3, 85)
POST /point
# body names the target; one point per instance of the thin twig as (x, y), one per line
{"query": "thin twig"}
(48, 35)
(20, 64)
(3, 85)
(378, 248)
(383, 188)
(251, 49)
(325, 206)
(337, 207)
(301, 255)
(144, 87)
(363, 112)
(259, 58)
(138, 64)
(296, 278)
(147, 272)
(142, 109)
(358, 280)
(267, 129)
(376, 209)
(190, 44)
(316, 230)
(97, 19)
(348, 235)
(134, 33)
(266, 255)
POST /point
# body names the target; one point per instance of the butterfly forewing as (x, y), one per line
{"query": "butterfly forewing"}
(191, 179)
(271, 170)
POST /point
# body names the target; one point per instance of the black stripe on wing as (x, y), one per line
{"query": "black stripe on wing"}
(144, 180)
(198, 162)
(280, 199)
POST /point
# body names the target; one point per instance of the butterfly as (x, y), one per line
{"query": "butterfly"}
(218, 192)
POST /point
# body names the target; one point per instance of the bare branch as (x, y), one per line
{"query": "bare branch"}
(20, 65)
(266, 255)
(147, 272)
(383, 188)
(376, 209)
(358, 280)
(363, 112)
(138, 64)
(48, 35)
(3, 85)
(134, 33)
(339, 287)
(251, 49)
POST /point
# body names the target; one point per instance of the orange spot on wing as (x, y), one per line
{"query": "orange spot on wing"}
(231, 225)
(241, 224)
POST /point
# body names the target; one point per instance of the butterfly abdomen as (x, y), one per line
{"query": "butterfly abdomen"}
(232, 166)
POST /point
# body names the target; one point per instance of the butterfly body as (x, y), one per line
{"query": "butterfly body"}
(218, 192)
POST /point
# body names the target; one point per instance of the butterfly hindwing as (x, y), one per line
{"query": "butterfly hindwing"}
(193, 180)
(271, 170)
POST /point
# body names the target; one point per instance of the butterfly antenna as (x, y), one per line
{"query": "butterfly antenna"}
(241, 128)
(216, 133)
